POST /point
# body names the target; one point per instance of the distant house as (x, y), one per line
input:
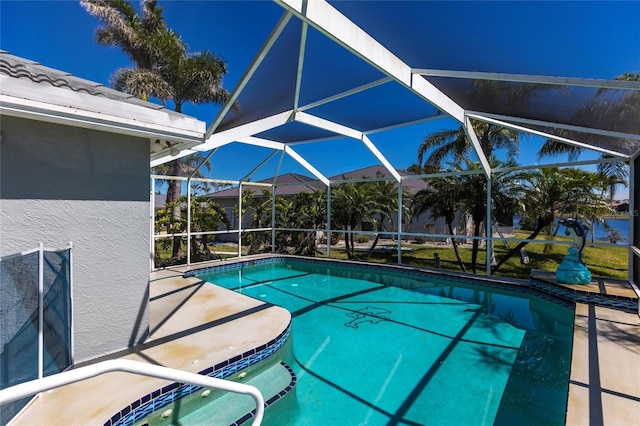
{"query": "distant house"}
(286, 185)
(620, 206)
(291, 183)
(74, 167)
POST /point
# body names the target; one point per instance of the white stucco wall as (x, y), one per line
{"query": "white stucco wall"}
(60, 184)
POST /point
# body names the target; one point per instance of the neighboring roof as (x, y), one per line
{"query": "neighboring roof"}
(287, 184)
(31, 90)
(413, 184)
(293, 183)
(349, 69)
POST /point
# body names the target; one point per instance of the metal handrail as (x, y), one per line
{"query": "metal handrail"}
(33, 387)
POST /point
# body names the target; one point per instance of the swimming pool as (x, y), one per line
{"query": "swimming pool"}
(379, 346)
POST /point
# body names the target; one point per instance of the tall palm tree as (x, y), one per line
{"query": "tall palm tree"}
(615, 173)
(625, 106)
(349, 210)
(383, 206)
(551, 192)
(506, 188)
(440, 198)
(455, 144)
(144, 38)
(162, 66)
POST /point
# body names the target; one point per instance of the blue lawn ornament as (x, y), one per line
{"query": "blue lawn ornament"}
(572, 270)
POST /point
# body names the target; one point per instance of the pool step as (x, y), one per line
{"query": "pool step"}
(232, 409)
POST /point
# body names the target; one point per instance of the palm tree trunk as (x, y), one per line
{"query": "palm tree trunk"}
(456, 250)
(373, 246)
(541, 225)
(475, 246)
(173, 194)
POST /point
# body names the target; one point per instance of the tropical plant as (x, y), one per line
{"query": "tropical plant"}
(440, 199)
(302, 211)
(615, 173)
(455, 144)
(373, 203)
(163, 68)
(206, 216)
(551, 192)
(260, 208)
(349, 211)
(383, 205)
(612, 111)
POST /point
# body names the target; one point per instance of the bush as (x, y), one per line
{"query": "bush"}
(363, 239)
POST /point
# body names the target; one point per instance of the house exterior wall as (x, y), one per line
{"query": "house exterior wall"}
(61, 184)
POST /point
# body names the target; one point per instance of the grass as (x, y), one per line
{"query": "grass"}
(610, 262)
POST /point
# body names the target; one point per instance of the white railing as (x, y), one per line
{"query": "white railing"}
(33, 387)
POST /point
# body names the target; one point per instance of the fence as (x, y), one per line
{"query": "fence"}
(36, 329)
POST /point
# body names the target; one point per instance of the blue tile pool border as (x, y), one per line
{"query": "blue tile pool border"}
(161, 398)
(620, 303)
(534, 286)
(498, 283)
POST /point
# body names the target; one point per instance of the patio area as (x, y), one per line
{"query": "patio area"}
(195, 325)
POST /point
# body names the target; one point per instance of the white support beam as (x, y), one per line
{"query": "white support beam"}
(266, 47)
(546, 135)
(303, 46)
(304, 163)
(477, 147)
(533, 79)
(441, 101)
(236, 134)
(581, 129)
(243, 131)
(326, 19)
(374, 150)
(264, 143)
(321, 123)
(169, 157)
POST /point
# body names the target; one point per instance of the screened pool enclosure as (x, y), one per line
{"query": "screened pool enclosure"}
(357, 83)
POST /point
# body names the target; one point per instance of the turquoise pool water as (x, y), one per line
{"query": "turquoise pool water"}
(385, 348)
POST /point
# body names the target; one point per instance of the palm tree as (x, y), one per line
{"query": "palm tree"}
(551, 192)
(260, 206)
(303, 211)
(455, 144)
(349, 211)
(144, 38)
(506, 188)
(383, 206)
(162, 66)
(615, 173)
(625, 106)
(441, 200)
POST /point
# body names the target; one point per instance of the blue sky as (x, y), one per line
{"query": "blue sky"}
(60, 34)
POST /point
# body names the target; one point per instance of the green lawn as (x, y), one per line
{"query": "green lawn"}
(608, 262)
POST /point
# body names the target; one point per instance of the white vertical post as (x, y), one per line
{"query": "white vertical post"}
(273, 219)
(71, 322)
(40, 310)
(489, 243)
(240, 219)
(632, 221)
(188, 221)
(152, 226)
(329, 221)
(400, 222)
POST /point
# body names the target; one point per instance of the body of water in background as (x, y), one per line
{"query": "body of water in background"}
(599, 232)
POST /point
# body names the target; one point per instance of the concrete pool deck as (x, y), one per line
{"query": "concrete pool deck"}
(195, 325)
